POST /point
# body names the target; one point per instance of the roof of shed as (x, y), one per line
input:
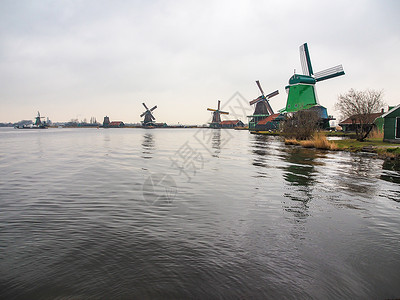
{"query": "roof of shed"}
(268, 119)
(230, 122)
(391, 111)
(356, 118)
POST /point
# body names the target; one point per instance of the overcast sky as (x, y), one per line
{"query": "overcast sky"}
(83, 59)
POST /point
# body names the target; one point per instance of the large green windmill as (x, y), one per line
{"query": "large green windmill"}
(301, 89)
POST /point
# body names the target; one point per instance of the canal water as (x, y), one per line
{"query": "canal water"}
(193, 213)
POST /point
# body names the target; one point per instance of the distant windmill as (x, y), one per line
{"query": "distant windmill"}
(148, 116)
(37, 119)
(301, 88)
(216, 120)
(262, 109)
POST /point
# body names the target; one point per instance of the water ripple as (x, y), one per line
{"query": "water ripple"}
(255, 219)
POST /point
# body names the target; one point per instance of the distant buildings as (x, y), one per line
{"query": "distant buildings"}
(113, 124)
(116, 124)
(231, 124)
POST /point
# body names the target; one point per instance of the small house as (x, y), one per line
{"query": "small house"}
(269, 123)
(231, 124)
(391, 125)
(351, 123)
(116, 124)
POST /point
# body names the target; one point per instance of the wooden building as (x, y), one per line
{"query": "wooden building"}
(351, 123)
(116, 124)
(269, 123)
(391, 127)
(231, 124)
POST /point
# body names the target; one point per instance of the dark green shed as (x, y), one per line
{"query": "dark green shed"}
(391, 127)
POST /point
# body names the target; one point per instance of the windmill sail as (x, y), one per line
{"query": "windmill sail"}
(305, 60)
(329, 73)
(148, 116)
(273, 94)
(256, 100)
(270, 110)
(259, 86)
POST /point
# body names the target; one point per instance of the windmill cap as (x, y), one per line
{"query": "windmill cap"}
(297, 78)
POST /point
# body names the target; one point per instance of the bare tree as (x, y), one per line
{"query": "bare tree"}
(359, 105)
(301, 125)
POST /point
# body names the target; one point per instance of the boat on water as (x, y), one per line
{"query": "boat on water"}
(37, 125)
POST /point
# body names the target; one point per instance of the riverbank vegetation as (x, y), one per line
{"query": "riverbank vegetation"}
(370, 145)
(318, 141)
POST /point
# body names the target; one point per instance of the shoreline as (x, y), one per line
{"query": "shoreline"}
(382, 150)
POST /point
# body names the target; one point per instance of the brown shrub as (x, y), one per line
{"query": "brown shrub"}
(376, 134)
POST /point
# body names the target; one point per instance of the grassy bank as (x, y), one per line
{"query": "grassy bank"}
(326, 133)
(319, 141)
(373, 145)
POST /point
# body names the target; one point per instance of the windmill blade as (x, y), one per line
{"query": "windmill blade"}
(153, 108)
(145, 106)
(152, 117)
(273, 94)
(211, 109)
(219, 104)
(224, 112)
(256, 100)
(259, 86)
(305, 60)
(143, 114)
(269, 108)
(329, 73)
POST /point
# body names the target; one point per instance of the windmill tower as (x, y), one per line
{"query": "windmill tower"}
(216, 119)
(148, 116)
(38, 122)
(262, 109)
(301, 89)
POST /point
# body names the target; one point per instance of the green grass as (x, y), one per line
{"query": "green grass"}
(375, 145)
(326, 133)
(338, 133)
(353, 143)
(275, 133)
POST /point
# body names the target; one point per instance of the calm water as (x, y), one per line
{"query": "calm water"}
(188, 213)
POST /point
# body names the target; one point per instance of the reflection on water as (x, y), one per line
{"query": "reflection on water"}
(357, 176)
(260, 148)
(300, 169)
(300, 173)
(391, 171)
(216, 141)
(148, 145)
(260, 220)
(391, 174)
